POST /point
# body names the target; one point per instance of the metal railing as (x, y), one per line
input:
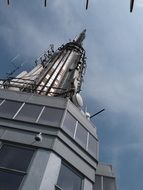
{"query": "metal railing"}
(27, 85)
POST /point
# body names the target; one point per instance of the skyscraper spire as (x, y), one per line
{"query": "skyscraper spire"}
(58, 73)
(81, 37)
(51, 144)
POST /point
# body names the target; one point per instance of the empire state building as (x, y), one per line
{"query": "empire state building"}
(47, 142)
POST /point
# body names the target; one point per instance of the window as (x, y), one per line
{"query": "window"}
(14, 162)
(51, 116)
(10, 181)
(81, 135)
(9, 108)
(105, 183)
(69, 179)
(97, 184)
(109, 183)
(69, 124)
(9, 157)
(92, 145)
(29, 112)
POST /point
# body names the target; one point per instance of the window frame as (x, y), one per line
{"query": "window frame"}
(20, 110)
(5, 101)
(46, 122)
(15, 171)
(66, 129)
(77, 123)
(78, 127)
(72, 169)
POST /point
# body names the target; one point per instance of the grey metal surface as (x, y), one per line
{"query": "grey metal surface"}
(105, 170)
(51, 173)
(75, 160)
(87, 185)
(36, 171)
(33, 98)
(53, 137)
(44, 171)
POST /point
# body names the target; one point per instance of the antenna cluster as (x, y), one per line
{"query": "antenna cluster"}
(87, 3)
(45, 3)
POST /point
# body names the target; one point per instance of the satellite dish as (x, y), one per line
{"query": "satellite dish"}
(77, 100)
(87, 114)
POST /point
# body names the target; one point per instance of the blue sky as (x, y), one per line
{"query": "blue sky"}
(114, 77)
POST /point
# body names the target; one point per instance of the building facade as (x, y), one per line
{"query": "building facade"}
(46, 141)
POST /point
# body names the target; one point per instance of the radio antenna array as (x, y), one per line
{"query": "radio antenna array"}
(87, 3)
(45, 3)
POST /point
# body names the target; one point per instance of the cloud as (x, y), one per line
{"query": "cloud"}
(114, 78)
(139, 3)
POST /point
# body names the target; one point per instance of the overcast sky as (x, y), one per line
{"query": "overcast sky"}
(114, 77)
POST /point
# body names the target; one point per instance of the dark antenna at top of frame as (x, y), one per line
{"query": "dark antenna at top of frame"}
(8, 2)
(45, 3)
(87, 2)
(131, 5)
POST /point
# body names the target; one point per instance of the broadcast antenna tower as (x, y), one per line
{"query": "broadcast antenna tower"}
(47, 140)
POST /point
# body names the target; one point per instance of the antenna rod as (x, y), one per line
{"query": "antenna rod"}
(131, 5)
(81, 37)
(8, 2)
(45, 3)
(97, 113)
(87, 1)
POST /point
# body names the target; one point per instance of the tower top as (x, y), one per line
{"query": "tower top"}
(57, 73)
(79, 39)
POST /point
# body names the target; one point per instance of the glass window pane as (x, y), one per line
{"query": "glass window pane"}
(109, 183)
(29, 112)
(92, 145)
(9, 108)
(10, 181)
(81, 135)
(68, 179)
(97, 184)
(15, 157)
(51, 116)
(69, 124)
